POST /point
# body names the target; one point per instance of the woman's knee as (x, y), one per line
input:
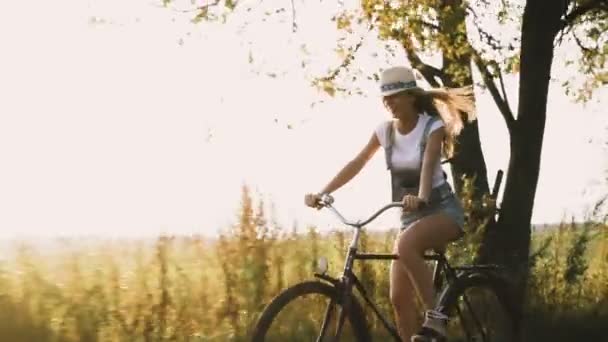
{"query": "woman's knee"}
(408, 245)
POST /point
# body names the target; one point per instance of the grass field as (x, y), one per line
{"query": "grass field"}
(192, 289)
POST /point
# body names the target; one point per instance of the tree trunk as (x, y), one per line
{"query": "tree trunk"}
(508, 242)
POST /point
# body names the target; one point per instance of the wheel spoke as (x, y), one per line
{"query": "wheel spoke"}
(464, 324)
(478, 324)
(479, 314)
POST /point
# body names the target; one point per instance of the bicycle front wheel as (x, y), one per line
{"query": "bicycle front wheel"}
(311, 311)
(480, 309)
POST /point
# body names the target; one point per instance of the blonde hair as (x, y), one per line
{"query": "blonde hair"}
(453, 105)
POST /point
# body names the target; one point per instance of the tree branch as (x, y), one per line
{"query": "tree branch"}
(425, 24)
(202, 12)
(502, 84)
(492, 41)
(347, 59)
(583, 9)
(501, 101)
(502, 88)
(428, 72)
(294, 25)
(580, 43)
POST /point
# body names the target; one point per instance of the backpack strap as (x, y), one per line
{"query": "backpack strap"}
(423, 140)
(390, 134)
(399, 178)
(425, 135)
(388, 150)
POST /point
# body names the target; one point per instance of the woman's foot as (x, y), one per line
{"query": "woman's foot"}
(433, 328)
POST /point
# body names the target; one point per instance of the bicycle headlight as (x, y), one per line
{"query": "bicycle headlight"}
(322, 265)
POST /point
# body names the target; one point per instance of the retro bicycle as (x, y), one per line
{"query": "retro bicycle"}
(475, 297)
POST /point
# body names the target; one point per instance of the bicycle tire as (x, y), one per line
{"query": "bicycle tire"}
(455, 296)
(355, 315)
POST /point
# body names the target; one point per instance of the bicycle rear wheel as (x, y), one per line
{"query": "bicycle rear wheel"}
(299, 314)
(480, 309)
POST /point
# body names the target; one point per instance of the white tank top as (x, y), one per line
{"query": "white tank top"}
(406, 147)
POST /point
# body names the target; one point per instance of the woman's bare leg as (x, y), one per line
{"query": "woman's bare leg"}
(403, 299)
(430, 232)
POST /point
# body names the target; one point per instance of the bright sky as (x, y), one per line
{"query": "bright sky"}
(124, 119)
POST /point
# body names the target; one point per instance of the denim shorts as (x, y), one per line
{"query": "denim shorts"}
(442, 200)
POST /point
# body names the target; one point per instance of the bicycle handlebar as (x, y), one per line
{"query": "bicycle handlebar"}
(327, 200)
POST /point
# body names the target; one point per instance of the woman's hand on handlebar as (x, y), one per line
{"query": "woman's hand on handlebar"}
(413, 203)
(313, 200)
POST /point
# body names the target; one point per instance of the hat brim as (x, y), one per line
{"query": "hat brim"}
(399, 90)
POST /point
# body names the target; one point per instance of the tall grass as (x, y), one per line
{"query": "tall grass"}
(192, 289)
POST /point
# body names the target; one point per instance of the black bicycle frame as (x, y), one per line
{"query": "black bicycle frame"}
(349, 279)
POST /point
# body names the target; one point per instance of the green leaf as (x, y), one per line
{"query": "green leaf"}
(202, 15)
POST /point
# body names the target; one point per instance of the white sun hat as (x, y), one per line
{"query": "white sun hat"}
(396, 79)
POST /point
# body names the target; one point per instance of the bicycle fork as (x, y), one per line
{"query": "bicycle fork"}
(344, 286)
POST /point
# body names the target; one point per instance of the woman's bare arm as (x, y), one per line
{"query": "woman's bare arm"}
(352, 168)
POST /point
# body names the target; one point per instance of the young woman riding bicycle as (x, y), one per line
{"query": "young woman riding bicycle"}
(423, 128)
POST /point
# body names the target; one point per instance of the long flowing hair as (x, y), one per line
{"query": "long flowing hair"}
(453, 105)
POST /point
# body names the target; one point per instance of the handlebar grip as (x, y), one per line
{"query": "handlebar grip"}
(326, 199)
(421, 206)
